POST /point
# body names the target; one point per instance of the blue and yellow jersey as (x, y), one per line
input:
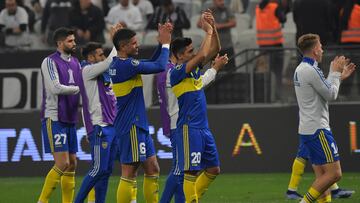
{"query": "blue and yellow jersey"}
(127, 86)
(188, 88)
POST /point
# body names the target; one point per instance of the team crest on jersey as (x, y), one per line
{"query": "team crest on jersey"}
(135, 62)
(178, 67)
(104, 145)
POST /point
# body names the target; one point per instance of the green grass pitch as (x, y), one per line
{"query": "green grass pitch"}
(242, 188)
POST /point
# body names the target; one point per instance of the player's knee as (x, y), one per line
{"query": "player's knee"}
(337, 176)
(214, 170)
(63, 165)
(71, 166)
(153, 169)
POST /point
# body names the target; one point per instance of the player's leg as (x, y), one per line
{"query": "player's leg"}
(127, 188)
(54, 175)
(102, 184)
(324, 155)
(101, 145)
(68, 179)
(130, 162)
(298, 168)
(91, 196)
(151, 167)
(210, 162)
(179, 193)
(53, 143)
(325, 196)
(172, 182)
(190, 147)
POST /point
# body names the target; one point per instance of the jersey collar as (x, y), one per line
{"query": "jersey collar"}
(310, 61)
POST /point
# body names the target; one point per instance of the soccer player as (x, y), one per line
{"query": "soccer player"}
(313, 91)
(194, 141)
(169, 112)
(136, 145)
(297, 172)
(61, 78)
(99, 114)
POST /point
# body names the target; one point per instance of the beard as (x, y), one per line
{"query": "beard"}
(70, 51)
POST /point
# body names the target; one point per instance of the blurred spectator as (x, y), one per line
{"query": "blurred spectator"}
(13, 25)
(245, 4)
(350, 36)
(155, 3)
(145, 8)
(38, 11)
(224, 21)
(30, 12)
(56, 14)
(237, 6)
(88, 22)
(126, 14)
(269, 17)
(316, 17)
(169, 12)
(102, 4)
(185, 5)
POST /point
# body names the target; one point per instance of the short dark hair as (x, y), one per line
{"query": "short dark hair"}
(62, 33)
(166, 2)
(90, 48)
(178, 45)
(121, 36)
(307, 42)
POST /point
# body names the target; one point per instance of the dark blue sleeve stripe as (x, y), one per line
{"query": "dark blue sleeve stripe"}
(322, 78)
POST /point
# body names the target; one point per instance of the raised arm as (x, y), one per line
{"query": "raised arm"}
(149, 67)
(94, 70)
(159, 65)
(205, 46)
(215, 46)
(50, 76)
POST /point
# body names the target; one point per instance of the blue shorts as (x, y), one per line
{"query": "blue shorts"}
(302, 151)
(59, 136)
(196, 149)
(135, 146)
(321, 146)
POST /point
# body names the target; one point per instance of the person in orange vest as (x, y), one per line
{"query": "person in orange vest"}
(350, 36)
(269, 19)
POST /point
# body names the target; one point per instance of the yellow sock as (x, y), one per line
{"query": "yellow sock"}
(325, 199)
(51, 180)
(68, 187)
(125, 190)
(91, 196)
(151, 188)
(334, 186)
(134, 193)
(190, 188)
(311, 195)
(203, 182)
(296, 173)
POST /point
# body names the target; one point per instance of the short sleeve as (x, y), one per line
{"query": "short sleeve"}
(177, 74)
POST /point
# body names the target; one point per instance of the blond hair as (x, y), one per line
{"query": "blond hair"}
(307, 42)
